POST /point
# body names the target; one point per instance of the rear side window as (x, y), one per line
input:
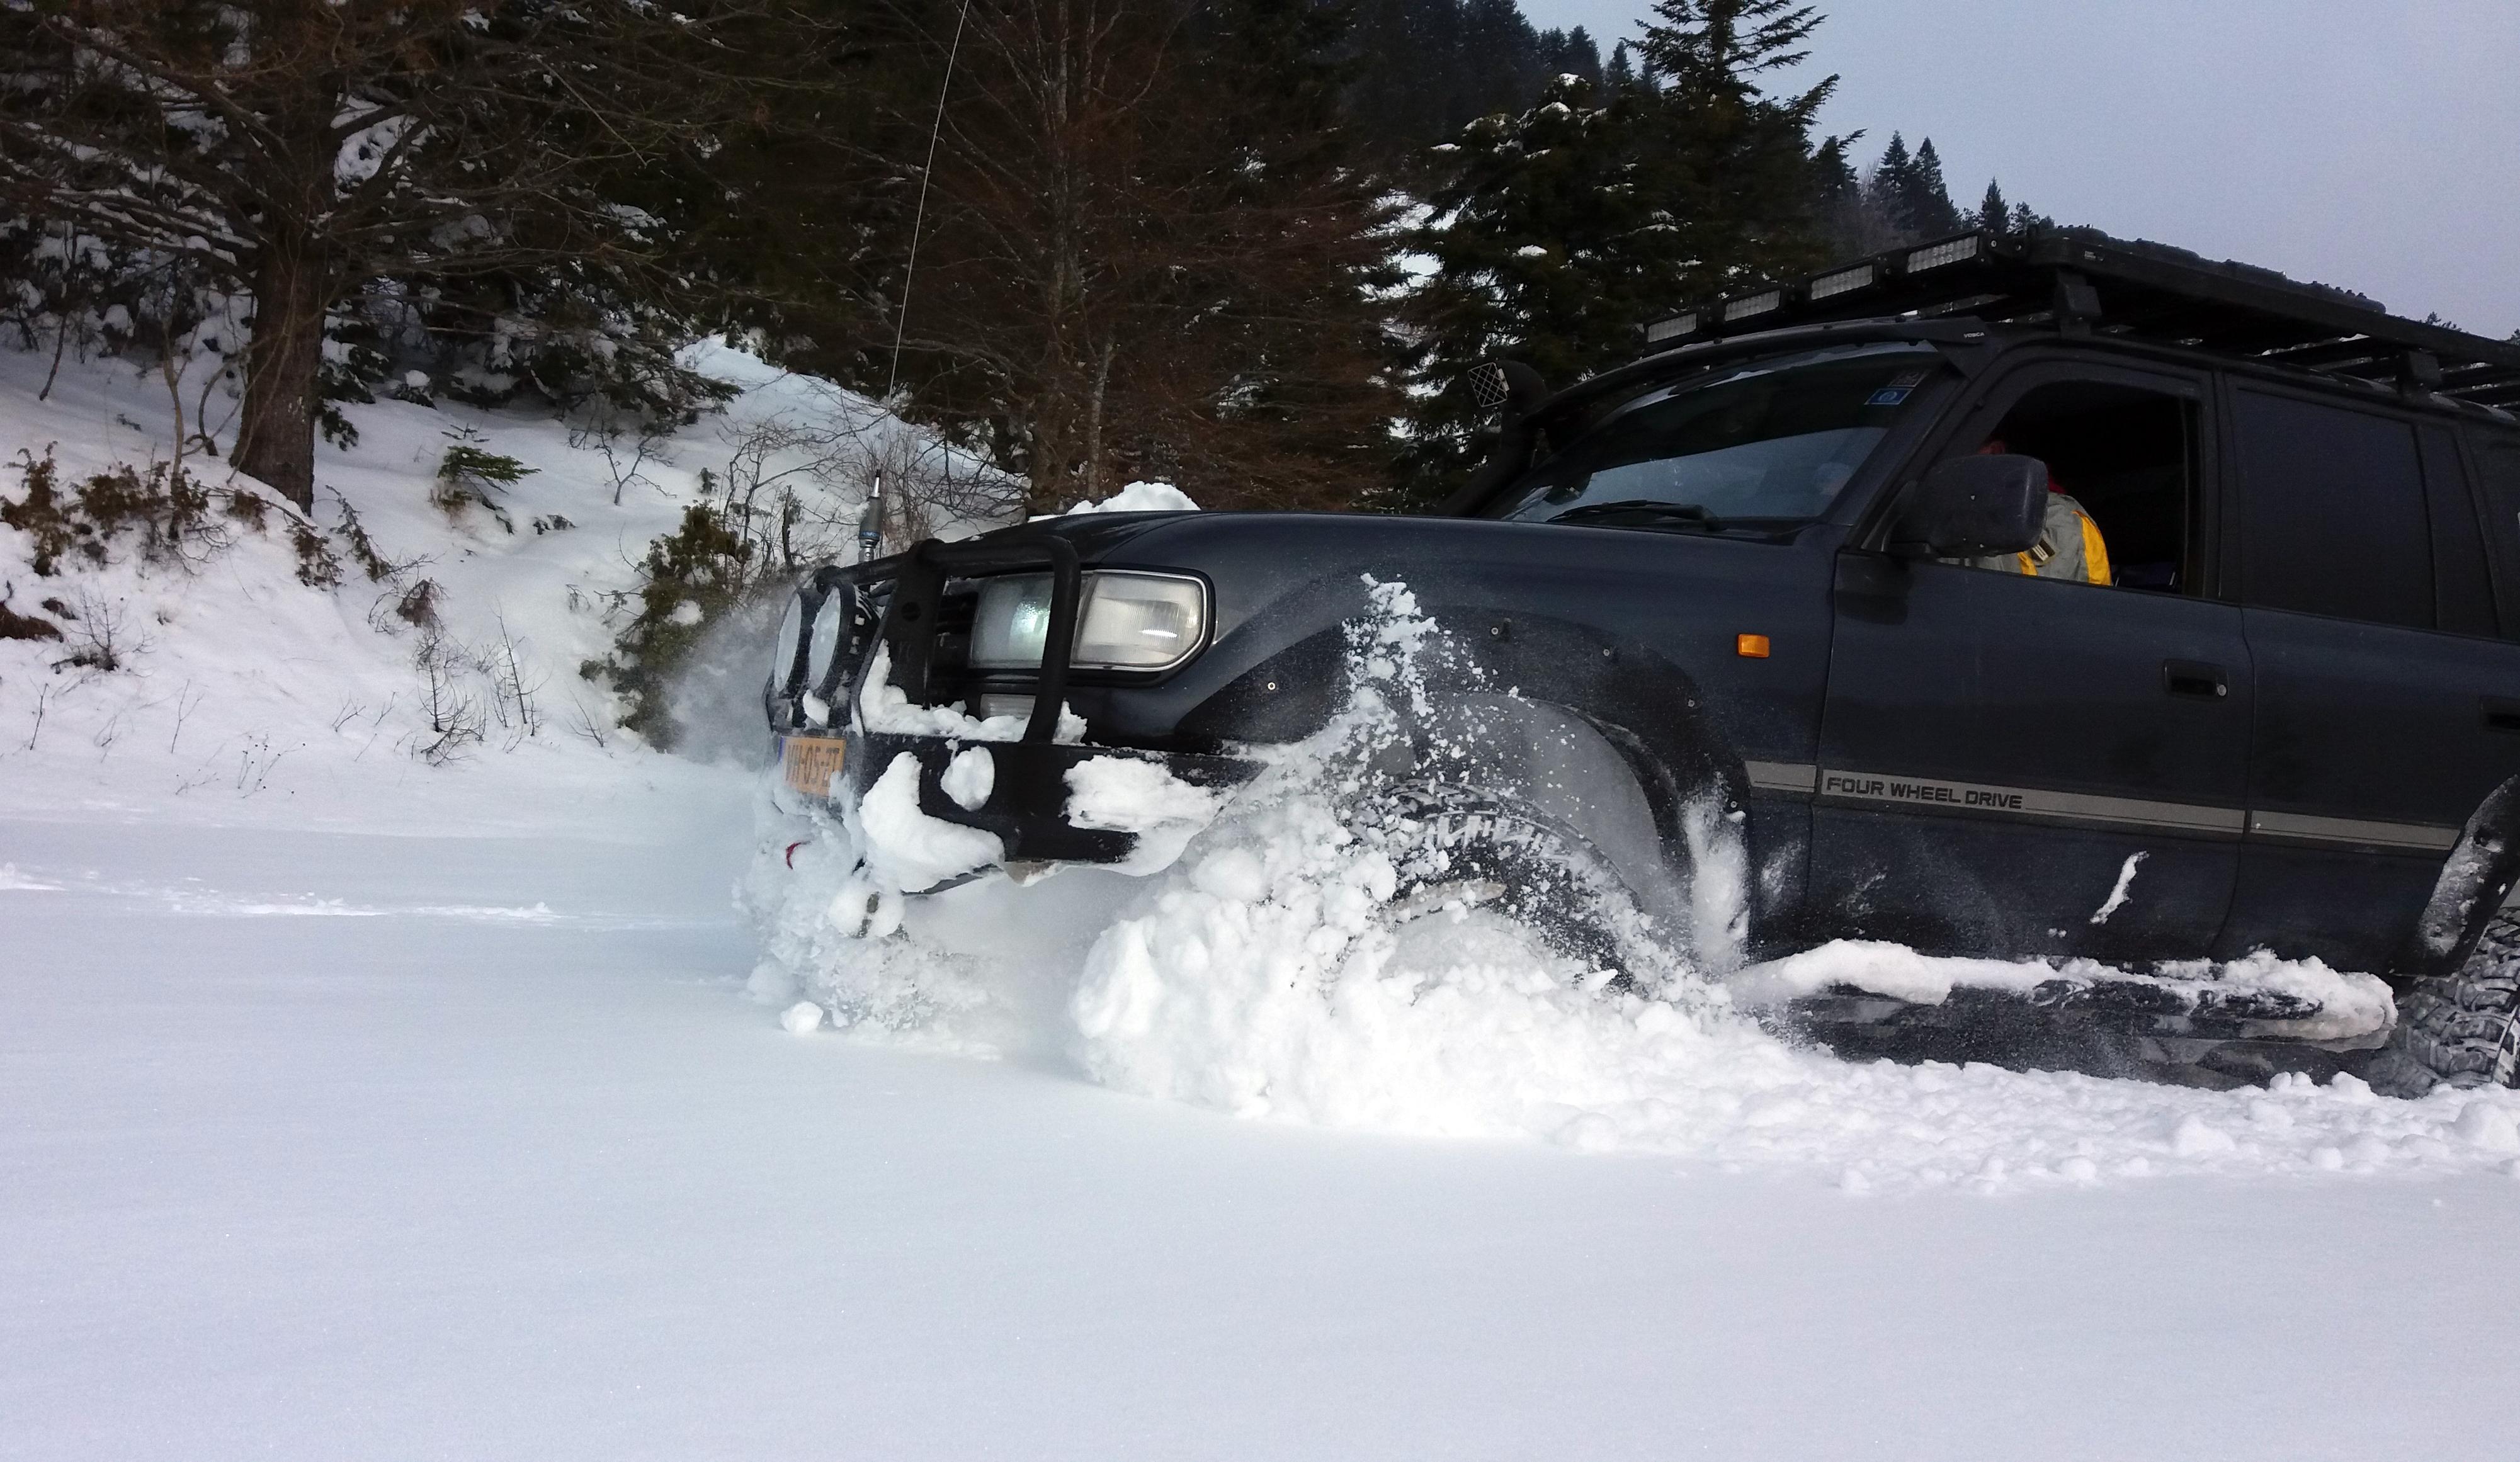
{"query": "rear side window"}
(2496, 455)
(2333, 518)
(2463, 588)
(2497, 459)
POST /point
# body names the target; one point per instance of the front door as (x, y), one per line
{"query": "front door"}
(2011, 765)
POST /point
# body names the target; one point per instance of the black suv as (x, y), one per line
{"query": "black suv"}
(1744, 569)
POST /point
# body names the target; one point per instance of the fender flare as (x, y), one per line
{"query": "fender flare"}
(2476, 877)
(1646, 709)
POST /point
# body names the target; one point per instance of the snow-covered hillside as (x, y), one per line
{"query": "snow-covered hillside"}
(244, 696)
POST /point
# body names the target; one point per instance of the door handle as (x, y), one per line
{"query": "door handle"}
(2198, 679)
(2501, 715)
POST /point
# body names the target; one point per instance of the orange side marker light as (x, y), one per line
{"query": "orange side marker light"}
(1750, 647)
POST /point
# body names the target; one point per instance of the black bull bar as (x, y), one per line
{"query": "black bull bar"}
(1026, 807)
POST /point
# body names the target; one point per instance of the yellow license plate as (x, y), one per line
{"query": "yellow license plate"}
(809, 763)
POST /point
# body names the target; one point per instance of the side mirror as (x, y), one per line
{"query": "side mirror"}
(1970, 507)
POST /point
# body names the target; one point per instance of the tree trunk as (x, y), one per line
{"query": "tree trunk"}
(1094, 487)
(276, 440)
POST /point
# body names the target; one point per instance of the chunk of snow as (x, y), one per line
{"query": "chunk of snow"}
(2193, 1137)
(13, 881)
(1140, 496)
(1881, 968)
(907, 848)
(969, 778)
(1128, 794)
(2347, 1004)
(2484, 1124)
(803, 1018)
(2118, 893)
(885, 707)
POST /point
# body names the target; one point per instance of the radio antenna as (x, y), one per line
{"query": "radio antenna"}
(919, 220)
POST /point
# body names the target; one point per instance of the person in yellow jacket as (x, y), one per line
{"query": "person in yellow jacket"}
(2069, 545)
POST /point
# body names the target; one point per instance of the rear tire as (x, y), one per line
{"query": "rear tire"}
(2459, 1030)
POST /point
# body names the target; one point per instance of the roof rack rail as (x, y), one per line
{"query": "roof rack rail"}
(2081, 281)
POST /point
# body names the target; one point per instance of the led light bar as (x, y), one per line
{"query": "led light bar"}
(1753, 304)
(1672, 329)
(1949, 251)
(1844, 282)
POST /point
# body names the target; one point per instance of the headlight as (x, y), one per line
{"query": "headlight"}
(1131, 622)
(782, 655)
(828, 621)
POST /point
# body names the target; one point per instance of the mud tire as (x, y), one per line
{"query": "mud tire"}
(2459, 1030)
(1462, 845)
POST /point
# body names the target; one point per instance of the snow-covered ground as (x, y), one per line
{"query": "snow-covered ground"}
(352, 1105)
(346, 1145)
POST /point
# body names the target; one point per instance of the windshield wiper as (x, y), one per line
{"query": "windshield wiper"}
(1641, 511)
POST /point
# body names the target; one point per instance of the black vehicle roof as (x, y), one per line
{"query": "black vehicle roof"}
(2078, 284)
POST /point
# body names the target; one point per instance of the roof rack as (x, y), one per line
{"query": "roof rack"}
(2083, 282)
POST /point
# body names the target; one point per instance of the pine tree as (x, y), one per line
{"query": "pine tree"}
(1620, 73)
(1583, 57)
(1929, 207)
(1422, 69)
(1993, 214)
(1498, 56)
(1734, 166)
(298, 152)
(1545, 249)
(1570, 52)
(1894, 184)
(1564, 230)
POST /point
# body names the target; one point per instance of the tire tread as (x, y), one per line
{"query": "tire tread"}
(2460, 1029)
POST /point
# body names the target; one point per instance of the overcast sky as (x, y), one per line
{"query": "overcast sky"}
(2373, 144)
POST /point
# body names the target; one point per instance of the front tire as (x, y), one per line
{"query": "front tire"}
(2460, 1029)
(1457, 847)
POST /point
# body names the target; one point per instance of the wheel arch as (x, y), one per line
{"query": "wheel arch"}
(2479, 873)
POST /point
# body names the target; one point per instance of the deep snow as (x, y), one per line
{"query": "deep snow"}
(505, 1167)
(355, 1107)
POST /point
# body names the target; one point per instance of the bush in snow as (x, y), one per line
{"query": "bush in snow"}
(691, 580)
(468, 476)
(164, 507)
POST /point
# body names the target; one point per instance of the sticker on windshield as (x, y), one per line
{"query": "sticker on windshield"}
(1897, 389)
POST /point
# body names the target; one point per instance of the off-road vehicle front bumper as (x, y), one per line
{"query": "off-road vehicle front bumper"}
(902, 606)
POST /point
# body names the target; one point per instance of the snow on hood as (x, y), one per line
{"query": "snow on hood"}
(1140, 496)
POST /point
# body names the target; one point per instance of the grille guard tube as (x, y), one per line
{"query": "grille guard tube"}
(907, 625)
(1027, 803)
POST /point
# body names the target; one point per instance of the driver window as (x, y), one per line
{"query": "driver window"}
(2127, 457)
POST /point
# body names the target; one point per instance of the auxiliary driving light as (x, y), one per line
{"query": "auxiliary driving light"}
(1672, 329)
(1949, 251)
(1753, 304)
(1843, 282)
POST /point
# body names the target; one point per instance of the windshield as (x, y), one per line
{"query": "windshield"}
(1764, 445)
